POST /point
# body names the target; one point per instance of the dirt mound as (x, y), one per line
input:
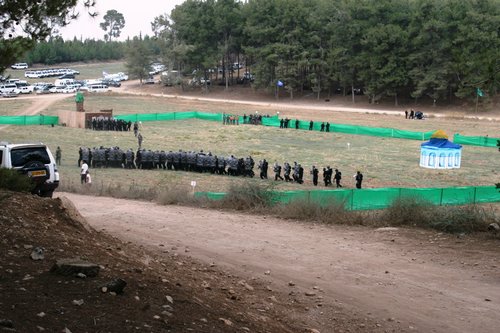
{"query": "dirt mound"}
(163, 293)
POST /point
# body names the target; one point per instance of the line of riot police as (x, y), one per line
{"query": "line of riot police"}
(101, 123)
(115, 157)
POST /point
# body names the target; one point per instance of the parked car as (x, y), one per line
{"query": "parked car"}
(69, 89)
(9, 89)
(9, 94)
(112, 83)
(44, 89)
(19, 65)
(33, 160)
(98, 88)
(149, 80)
(57, 89)
(26, 89)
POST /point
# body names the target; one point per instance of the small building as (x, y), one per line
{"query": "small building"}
(440, 153)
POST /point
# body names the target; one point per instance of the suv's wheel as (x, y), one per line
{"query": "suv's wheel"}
(46, 194)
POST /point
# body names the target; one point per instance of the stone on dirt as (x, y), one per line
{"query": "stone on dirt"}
(38, 253)
(116, 286)
(6, 323)
(73, 266)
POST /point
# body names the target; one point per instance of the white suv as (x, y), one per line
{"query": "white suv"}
(34, 160)
(20, 65)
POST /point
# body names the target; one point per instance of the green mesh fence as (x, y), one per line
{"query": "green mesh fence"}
(353, 129)
(266, 121)
(475, 140)
(171, 116)
(380, 198)
(29, 120)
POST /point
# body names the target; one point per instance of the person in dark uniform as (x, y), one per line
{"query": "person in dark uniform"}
(311, 124)
(281, 123)
(359, 179)
(338, 177)
(296, 124)
(58, 155)
(322, 129)
(315, 172)
(288, 170)
(277, 171)
(301, 175)
(327, 127)
(263, 169)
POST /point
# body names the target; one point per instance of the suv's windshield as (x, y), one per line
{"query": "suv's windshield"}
(21, 156)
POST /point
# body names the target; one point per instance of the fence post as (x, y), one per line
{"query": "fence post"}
(352, 199)
(475, 189)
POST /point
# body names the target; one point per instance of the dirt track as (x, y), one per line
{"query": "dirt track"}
(423, 281)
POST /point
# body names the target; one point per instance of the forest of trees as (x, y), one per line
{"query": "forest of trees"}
(391, 49)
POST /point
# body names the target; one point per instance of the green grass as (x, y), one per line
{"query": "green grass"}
(384, 162)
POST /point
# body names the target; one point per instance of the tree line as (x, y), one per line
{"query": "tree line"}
(56, 50)
(388, 48)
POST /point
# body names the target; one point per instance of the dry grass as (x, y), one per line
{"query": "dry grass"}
(384, 162)
(452, 219)
(13, 106)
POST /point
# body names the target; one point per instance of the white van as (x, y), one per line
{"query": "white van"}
(9, 89)
(20, 65)
(98, 88)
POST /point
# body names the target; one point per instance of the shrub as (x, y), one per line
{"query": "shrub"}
(175, 195)
(247, 197)
(451, 219)
(332, 212)
(411, 211)
(463, 219)
(14, 181)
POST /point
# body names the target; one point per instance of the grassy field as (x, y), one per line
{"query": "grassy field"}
(384, 162)
(14, 106)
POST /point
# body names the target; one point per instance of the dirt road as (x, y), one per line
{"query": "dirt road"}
(423, 281)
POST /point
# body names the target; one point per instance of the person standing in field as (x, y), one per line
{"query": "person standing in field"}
(311, 124)
(277, 171)
(136, 128)
(338, 177)
(359, 179)
(139, 140)
(83, 172)
(315, 172)
(58, 155)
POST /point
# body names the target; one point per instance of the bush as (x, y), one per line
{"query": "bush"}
(451, 219)
(14, 181)
(247, 197)
(332, 212)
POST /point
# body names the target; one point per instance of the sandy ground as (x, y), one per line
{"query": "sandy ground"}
(422, 281)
